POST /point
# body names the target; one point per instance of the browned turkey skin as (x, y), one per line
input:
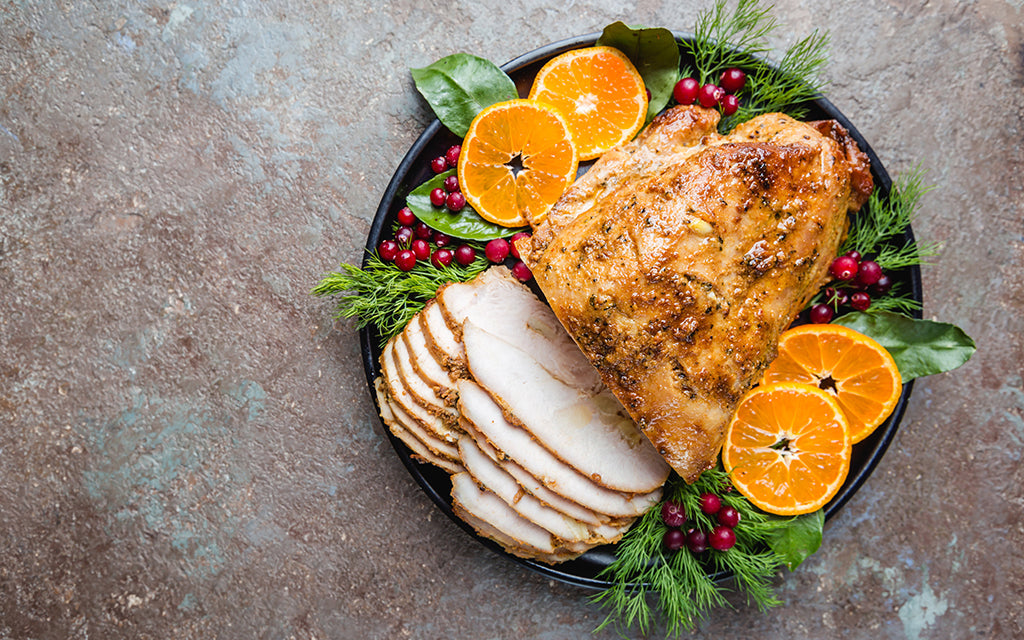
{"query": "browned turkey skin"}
(676, 261)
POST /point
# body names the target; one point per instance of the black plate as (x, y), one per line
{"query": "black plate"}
(414, 170)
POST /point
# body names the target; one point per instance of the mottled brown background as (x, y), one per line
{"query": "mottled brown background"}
(187, 445)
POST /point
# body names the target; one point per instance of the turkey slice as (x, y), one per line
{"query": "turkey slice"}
(591, 433)
(480, 409)
(403, 399)
(416, 445)
(500, 483)
(511, 546)
(488, 507)
(510, 311)
(532, 485)
(447, 349)
(425, 363)
(421, 392)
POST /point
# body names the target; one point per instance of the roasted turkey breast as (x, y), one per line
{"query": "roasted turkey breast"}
(677, 260)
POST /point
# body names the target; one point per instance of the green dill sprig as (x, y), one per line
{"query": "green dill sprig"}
(787, 86)
(721, 40)
(895, 257)
(740, 39)
(382, 295)
(679, 581)
(896, 301)
(884, 218)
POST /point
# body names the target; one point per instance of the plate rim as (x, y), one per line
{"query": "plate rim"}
(882, 440)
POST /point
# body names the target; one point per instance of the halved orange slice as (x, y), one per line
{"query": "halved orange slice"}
(517, 159)
(601, 94)
(859, 373)
(788, 448)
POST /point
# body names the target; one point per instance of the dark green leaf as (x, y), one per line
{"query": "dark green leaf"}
(466, 224)
(797, 538)
(461, 85)
(919, 347)
(655, 55)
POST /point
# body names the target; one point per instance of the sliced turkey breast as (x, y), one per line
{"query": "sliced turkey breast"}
(425, 363)
(422, 393)
(510, 311)
(480, 409)
(402, 398)
(512, 546)
(447, 349)
(491, 476)
(419, 449)
(591, 433)
(532, 485)
(493, 510)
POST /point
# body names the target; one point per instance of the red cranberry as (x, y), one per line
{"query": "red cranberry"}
(522, 272)
(821, 314)
(673, 513)
(710, 503)
(452, 155)
(710, 95)
(422, 231)
(387, 250)
(441, 240)
(728, 517)
(860, 301)
(853, 254)
(406, 217)
(722, 538)
(697, 541)
(674, 539)
(421, 248)
(512, 242)
(868, 273)
(733, 79)
(685, 91)
(496, 250)
(730, 104)
(465, 255)
(405, 260)
(438, 196)
(451, 183)
(882, 286)
(844, 268)
(441, 258)
(439, 164)
(455, 201)
(403, 236)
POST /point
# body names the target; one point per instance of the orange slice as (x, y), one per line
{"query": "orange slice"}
(788, 448)
(601, 94)
(517, 159)
(858, 372)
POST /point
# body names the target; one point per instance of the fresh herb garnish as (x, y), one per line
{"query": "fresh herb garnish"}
(680, 581)
(382, 295)
(740, 39)
(886, 216)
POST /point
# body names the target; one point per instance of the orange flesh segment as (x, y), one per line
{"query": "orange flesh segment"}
(788, 448)
(855, 369)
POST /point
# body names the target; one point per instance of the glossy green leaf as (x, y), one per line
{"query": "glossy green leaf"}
(654, 53)
(797, 538)
(919, 347)
(461, 85)
(466, 224)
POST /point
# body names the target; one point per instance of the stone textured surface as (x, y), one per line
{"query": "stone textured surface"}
(187, 445)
